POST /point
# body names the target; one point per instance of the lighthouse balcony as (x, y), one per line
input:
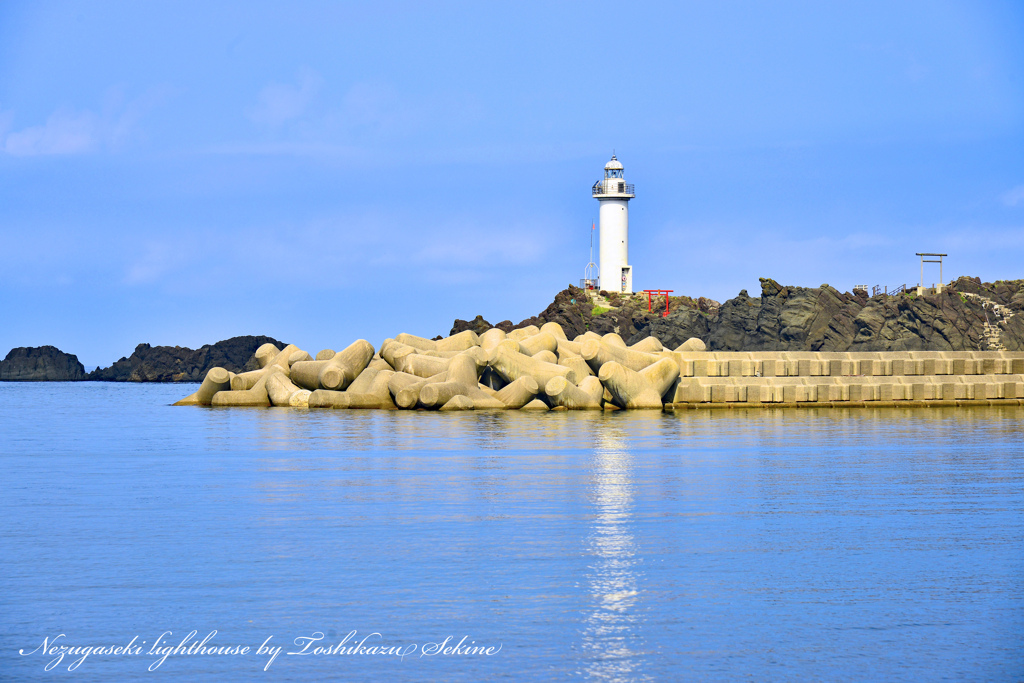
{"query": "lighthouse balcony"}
(619, 188)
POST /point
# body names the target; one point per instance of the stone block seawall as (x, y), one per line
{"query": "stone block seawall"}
(807, 379)
(542, 369)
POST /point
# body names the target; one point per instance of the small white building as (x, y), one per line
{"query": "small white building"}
(614, 194)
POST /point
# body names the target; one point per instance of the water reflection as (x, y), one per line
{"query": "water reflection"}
(612, 629)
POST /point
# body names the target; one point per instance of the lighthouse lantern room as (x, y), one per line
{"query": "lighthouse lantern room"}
(613, 193)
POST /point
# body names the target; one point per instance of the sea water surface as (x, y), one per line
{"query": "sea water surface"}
(693, 546)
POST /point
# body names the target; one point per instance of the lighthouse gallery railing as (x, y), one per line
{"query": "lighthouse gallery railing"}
(625, 188)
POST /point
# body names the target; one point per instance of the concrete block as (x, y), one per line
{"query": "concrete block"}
(491, 338)
(458, 342)
(536, 404)
(568, 348)
(519, 392)
(661, 375)
(512, 366)
(577, 365)
(547, 357)
(416, 342)
(296, 356)
(401, 380)
(542, 341)
(464, 369)
(1013, 390)
(648, 345)
(629, 389)
(587, 335)
(598, 353)
(282, 392)
(562, 392)
(692, 344)
(437, 394)
(555, 330)
(265, 354)
(424, 366)
(362, 383)
(458, 402)
(217, 379)
(613, 339)
(254, 396)
(408, 395)
(346, 365)
(523, 332)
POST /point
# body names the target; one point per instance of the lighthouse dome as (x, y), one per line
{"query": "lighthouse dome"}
(613, 165)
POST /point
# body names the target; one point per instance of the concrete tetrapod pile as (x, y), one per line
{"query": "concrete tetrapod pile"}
(541, 369)
(530, 368)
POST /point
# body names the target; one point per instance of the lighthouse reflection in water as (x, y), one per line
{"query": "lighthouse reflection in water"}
(612, 631)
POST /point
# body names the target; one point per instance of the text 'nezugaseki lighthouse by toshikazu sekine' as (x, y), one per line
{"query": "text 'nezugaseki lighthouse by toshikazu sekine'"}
(613, 194)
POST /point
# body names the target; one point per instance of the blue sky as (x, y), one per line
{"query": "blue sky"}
(320, 172)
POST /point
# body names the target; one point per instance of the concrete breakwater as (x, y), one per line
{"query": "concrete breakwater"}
(535, 368)
(738, 379)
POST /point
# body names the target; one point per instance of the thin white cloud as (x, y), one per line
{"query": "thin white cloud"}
(6, 120)
(279, 103)
(65, 132)
(157, 260)
(1014, 197)
(79, 132)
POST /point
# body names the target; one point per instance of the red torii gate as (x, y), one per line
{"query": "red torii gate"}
(658, 292)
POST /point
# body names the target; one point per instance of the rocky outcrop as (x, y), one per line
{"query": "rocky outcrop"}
(180, 364)
(968, 315)
(578, 311)
(40, 364)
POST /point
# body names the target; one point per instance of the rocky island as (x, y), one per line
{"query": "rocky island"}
(40, 364)
(181, 364)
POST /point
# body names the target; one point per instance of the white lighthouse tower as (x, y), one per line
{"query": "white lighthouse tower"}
(614, 194)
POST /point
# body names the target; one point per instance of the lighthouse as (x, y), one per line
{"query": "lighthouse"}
(613, 194)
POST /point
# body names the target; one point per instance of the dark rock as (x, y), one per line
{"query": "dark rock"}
(789, 318)
(40, 364)
(179, 364)
(478, 325)
(676, 328)
(823, 319)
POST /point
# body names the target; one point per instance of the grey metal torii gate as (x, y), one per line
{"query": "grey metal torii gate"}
(924, 261)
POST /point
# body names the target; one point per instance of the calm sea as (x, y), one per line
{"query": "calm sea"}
(705, 545)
